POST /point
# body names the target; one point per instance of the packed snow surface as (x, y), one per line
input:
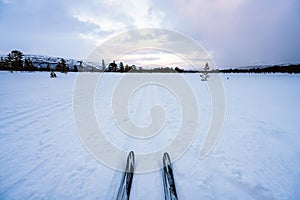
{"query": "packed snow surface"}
(257, 156)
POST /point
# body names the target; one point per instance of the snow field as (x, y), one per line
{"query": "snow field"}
(257, 157)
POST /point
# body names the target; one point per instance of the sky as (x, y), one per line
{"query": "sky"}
(233, 32)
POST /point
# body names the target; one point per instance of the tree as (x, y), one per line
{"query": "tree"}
(103, 65)
(14, 60)
(112, 67)
(133, 67)
(2, 63)
(81, 65)
(204, 76)
(178, 70)
(28, 65)
(62, 66)
(126, 68)
(206, 68)
(121, 67)
(75, 68)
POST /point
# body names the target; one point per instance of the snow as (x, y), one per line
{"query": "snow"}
(257, 156)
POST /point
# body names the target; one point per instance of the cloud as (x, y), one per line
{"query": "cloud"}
(42, 27)
(112, 17)
(235, 32)
(240, 32)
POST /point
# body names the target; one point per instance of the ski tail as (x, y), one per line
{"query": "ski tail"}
(168, 178)
(127, 176)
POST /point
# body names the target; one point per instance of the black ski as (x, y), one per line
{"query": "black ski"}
(127, 176)
(168, 178)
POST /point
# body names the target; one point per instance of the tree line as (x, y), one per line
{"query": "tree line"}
(15, 61)
(291, 69)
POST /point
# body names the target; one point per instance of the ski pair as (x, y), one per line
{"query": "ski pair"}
(167, 173)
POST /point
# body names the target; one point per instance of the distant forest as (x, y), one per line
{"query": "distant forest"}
(16, 61)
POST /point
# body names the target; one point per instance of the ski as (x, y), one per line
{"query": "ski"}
(127, 176)
(168, 178)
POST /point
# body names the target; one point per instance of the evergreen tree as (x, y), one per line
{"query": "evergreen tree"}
(75, 68)
(206, 68)
(28, 65)
(126, 68)
(2, 63)
(103, 65)
(14, 60)
(133, 67)
(62, 66)
(80, 66)
(204, 76)
(121, 67)
(112, 67)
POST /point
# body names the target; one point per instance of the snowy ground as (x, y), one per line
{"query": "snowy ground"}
(257, 157)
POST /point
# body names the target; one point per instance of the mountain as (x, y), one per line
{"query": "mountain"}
(40, 61)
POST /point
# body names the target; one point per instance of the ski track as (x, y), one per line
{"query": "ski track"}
(257, 157)
(141, 189)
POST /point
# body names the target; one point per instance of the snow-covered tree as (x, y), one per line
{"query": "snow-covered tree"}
(204, 76)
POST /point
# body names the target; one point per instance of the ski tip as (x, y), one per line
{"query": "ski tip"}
(131, 156)
(166, 155)
(130, 162)
(131, 153)
(166, 159)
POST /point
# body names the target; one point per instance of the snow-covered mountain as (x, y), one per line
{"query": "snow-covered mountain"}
(41, 61)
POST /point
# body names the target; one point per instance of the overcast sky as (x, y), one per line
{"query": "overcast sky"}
(234, 32)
